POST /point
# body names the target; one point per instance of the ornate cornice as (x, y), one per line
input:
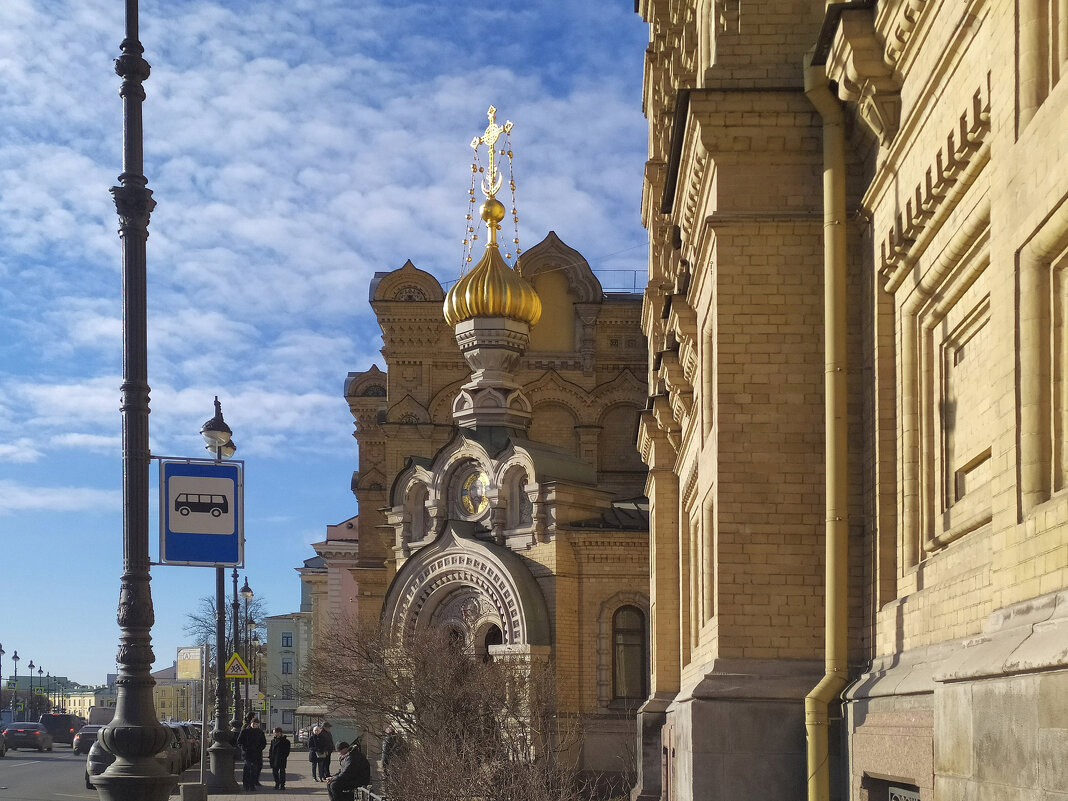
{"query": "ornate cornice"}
(944, 184)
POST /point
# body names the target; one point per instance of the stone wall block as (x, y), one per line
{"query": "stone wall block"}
(1006, 739)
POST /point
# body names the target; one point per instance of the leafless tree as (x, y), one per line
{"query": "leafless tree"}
(200, 627)
(472, 729)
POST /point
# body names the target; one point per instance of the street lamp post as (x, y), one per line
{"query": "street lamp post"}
(234, 615)
(134, 735)
(221, 775)
(29, 701)
(40, 681)
(15, 692)
(2, 652)
(247, 595)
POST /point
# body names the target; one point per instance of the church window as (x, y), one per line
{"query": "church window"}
(420, 515)
(628, 653)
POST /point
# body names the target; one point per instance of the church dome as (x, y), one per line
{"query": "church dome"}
(492, 288)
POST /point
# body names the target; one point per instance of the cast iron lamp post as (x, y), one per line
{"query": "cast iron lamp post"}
(15, 692)
(134, 734)
(40, 681)
(29, 701)
(220, 778)
(2, 652)
(234, 617)
(247, 595)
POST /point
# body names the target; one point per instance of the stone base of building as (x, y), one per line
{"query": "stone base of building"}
(982, 718)
(739, 732)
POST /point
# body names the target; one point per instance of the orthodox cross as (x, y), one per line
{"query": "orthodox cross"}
(492, 181)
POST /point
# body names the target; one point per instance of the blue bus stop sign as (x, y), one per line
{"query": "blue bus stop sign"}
(201, 513)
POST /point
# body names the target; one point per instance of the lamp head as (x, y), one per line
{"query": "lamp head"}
(246, 591)
(215, 431)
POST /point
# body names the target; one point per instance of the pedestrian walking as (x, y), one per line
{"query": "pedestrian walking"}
(314, 742)
(278, 756)
(326, 748)
(252, 741)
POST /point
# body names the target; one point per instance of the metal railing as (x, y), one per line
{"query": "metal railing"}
(365, 794)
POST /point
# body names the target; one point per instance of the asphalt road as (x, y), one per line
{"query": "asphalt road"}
(49, 776)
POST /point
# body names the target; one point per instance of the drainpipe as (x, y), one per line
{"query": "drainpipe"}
(818, 701)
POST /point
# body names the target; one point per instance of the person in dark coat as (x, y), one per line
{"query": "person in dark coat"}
(278, 756)
(326, 740)
(353, 771)
(314, 745)
(252, 741)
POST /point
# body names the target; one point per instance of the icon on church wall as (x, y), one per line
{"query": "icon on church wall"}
(473, 492)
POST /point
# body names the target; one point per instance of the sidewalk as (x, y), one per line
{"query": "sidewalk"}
(299, 784)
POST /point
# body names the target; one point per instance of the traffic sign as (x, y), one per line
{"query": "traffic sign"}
(39, 691)
(235, 668)
(201, 513)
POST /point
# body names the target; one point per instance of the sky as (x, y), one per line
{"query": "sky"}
(294, 148)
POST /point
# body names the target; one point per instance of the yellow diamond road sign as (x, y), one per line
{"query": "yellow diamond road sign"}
(236, 669)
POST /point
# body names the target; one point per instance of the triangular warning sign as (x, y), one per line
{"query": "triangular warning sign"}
(236, 669)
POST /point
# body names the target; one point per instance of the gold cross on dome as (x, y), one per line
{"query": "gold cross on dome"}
(492, 181)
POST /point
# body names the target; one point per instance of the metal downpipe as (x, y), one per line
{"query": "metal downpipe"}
(818, 701)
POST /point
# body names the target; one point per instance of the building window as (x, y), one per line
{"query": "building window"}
(287, 667)
(287, 639)
(628, 653)
(287, 692)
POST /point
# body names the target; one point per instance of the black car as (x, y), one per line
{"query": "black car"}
(62, 726)
(27, 735)
(85, 738)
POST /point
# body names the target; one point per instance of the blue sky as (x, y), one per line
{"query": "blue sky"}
(294, 148)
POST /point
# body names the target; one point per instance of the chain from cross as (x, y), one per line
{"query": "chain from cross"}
(492, 181)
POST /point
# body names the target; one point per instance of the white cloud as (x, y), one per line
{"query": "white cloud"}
(20, 451)
(20, 497)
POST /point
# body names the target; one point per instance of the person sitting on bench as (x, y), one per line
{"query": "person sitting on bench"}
(353, 771)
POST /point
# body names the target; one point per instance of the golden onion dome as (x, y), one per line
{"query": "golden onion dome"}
(492, 288)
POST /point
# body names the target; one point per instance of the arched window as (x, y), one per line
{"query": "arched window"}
(628, 654)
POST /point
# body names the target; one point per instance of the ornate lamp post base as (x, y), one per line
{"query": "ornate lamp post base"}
(220, 776)
(133, 783)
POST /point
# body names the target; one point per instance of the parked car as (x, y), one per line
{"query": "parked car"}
(27, 735)
(185, 744)
(172, 756)
(84, 739)
(62, 726)
(194, 739)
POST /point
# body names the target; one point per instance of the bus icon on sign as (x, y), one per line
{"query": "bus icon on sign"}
(189, 502)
